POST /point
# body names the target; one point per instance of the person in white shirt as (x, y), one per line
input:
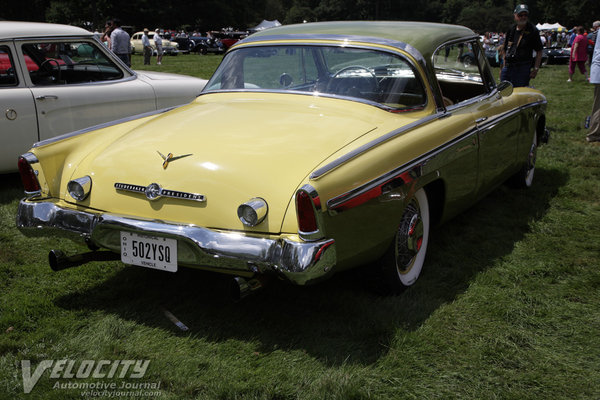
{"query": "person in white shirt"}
(119, 42)
(147, 47)
(594, 132)
(159, 48)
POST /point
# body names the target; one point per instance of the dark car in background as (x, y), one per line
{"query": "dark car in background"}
(185, 43)
(492, 54)
(556, 55)
(205, 45)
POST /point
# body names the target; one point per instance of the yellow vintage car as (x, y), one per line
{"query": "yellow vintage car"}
(314, 148)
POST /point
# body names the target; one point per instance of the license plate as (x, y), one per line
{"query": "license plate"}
(149, 251)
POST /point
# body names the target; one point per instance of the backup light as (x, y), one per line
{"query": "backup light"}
(253, 212)
(80, 188)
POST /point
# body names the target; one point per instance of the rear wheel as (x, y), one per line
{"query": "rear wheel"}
(402, 263)
(524, 178)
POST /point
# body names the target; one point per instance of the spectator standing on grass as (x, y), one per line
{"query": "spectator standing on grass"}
(592, 38)
(105, 38)
(159, 47)
(522, 39)
(119, 42)
(147, 47)
(594, 132)
(578, 53)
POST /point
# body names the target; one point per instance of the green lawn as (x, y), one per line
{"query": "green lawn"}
(508, 305)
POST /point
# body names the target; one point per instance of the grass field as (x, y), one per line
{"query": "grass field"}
(508, 305)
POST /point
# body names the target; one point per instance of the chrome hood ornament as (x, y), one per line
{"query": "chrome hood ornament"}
(170, 157)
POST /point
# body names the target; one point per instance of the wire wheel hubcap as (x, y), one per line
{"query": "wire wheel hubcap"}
(409, 238)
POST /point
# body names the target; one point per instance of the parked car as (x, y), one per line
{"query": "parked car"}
(184, 43)
(206, 45)
(56, 79)
(169, 47)
(229, 37)
(349, 141)
(556, 55)
(492, 54)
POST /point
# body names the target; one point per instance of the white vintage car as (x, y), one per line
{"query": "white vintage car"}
(56, 79)
(169, 47)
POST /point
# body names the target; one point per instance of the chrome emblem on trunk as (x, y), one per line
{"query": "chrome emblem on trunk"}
(170, 157)
(154, 191)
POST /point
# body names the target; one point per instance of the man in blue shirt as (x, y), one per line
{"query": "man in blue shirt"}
(119, 42)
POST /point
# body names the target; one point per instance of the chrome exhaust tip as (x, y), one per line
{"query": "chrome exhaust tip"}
(241, 287)
(58, 260)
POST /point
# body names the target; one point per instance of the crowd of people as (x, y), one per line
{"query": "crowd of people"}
(118, 41)
(521, 50)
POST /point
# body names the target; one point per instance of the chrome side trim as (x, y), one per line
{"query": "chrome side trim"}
(101, 126)
(298, 261)
(418, 162)
(30, 158)
(368, 146)
(414, 166)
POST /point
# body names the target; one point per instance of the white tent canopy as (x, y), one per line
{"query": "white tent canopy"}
(548, 27)
(265, 25)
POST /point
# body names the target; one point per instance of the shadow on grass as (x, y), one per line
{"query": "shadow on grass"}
(11, 188)
(338, 321)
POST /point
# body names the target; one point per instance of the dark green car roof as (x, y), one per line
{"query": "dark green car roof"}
(424, 36)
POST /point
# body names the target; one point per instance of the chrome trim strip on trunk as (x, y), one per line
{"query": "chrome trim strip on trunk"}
(102, 126)
(368, 146)
(297, 261)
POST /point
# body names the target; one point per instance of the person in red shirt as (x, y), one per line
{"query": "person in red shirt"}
(578, 53)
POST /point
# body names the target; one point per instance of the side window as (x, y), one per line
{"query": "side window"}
(458, 69)
(67, 63)
(8, 76)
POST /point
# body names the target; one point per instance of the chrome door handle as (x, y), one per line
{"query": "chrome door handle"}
(480, 120)
(46, 97)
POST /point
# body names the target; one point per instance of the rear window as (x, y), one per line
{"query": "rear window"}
(353, 73)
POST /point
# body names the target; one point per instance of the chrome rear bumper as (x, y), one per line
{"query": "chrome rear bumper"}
(297, 261)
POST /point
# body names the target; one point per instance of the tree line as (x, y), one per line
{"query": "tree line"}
(202, 15)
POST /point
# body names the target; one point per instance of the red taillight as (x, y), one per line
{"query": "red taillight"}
(307, 220)
(28, 177)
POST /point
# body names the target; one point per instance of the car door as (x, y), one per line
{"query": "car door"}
(470, 88)
(498, 125)
(18, 125)
(77, 83)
